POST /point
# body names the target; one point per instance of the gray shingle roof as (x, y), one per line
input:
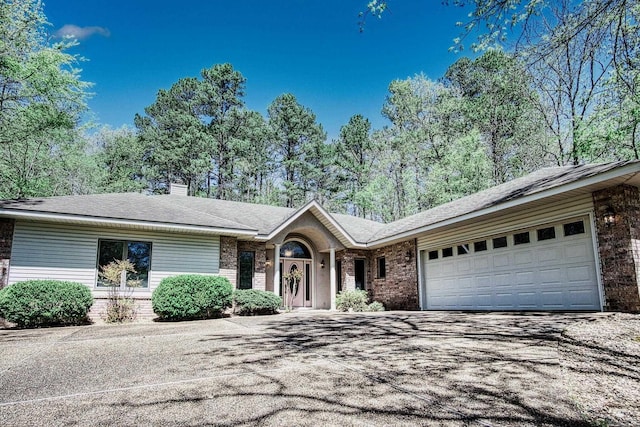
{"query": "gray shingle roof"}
(263, 219)
(536, 182)
(125, 206)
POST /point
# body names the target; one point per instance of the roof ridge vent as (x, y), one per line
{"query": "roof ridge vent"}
(178, 189)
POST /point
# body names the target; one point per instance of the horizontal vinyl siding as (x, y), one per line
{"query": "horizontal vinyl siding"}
(65, 252)
(523, 218)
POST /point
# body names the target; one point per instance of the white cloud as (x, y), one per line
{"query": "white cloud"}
(81, 33)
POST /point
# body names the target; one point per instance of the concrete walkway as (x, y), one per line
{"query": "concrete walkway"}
(309, 369)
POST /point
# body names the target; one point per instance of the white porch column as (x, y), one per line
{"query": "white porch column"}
(276, 269)
(332, 275)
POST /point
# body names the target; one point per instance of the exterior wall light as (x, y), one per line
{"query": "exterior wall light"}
(609, 216)
(322, 263)
(267, 263)
(407, 256)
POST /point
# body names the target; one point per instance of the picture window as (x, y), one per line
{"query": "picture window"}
(138, 253)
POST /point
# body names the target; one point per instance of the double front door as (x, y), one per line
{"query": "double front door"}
(300, 289)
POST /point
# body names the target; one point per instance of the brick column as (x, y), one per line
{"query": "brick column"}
(229, 258)
(619, 246)
(6, 242)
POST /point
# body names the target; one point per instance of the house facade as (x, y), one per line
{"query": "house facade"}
(565, 238)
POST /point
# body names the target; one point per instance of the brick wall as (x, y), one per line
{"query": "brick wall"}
(399, 289)
(347, 258)
(619, 246)
(229, 258)
(259, 274)
(6, 241)
(144, 310)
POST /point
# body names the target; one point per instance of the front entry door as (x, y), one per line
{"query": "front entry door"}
(302, 293)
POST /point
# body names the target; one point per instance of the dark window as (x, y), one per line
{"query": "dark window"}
(338, 276)
(294, 250)
(359, 274)
(521, 238)
(480, 246)
(546, 233)
(433, 254)
(447, 252)
(573, 228)
(463, 249)
(500, 242)
(246, 262)
(280, 279)
(382, 268)
(138, 253)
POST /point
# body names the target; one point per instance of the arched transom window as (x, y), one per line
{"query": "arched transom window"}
(293, 249)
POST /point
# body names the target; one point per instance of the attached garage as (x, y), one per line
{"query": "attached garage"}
(547, 267)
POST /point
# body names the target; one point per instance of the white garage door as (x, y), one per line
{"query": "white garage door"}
(551, 267)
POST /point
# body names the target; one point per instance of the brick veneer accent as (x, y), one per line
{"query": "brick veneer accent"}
(399, 289)
(348, 273)
(259, 274)
(229, 258)
(144, 310)
(619, 246)
(7, 226)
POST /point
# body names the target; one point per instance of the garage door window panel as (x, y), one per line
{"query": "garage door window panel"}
(500, 242)
(547, 233)
(463, 249)
(573, 228)
(480, 246)
(433, 255)
(447, 252)
(521, 238)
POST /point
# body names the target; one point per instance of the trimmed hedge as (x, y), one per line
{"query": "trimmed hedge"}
(251, 302)
(45, 303)
(191, 296)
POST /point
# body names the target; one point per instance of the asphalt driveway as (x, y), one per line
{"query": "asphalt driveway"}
(311, 368)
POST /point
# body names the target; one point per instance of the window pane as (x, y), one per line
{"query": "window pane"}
(480, 246)
(546, 233)
(294, 250)
(573, 228)
(108, 251)
(521, 238)
(433, 254)
(500, 242)
(447, 252)
(307, 282)
(139, 254)
(382, 268)
(246, 261)
(463, 249)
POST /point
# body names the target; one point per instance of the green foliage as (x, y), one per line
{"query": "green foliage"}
(191, 296)
(37, 303)
(375, 306)
(299, 143)
(119, 158)
(354, 300)
(251, 302)
(41, 101)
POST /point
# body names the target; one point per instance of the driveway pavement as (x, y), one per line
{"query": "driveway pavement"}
(309, 369)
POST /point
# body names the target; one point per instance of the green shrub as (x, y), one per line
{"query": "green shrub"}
(45, 303)
(191, 296)
(375, 306)
(251, 302)
(354, 300)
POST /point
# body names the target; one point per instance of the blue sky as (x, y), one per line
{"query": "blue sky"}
(312, 49)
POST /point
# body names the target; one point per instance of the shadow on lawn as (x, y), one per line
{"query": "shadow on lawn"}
(438, 368)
